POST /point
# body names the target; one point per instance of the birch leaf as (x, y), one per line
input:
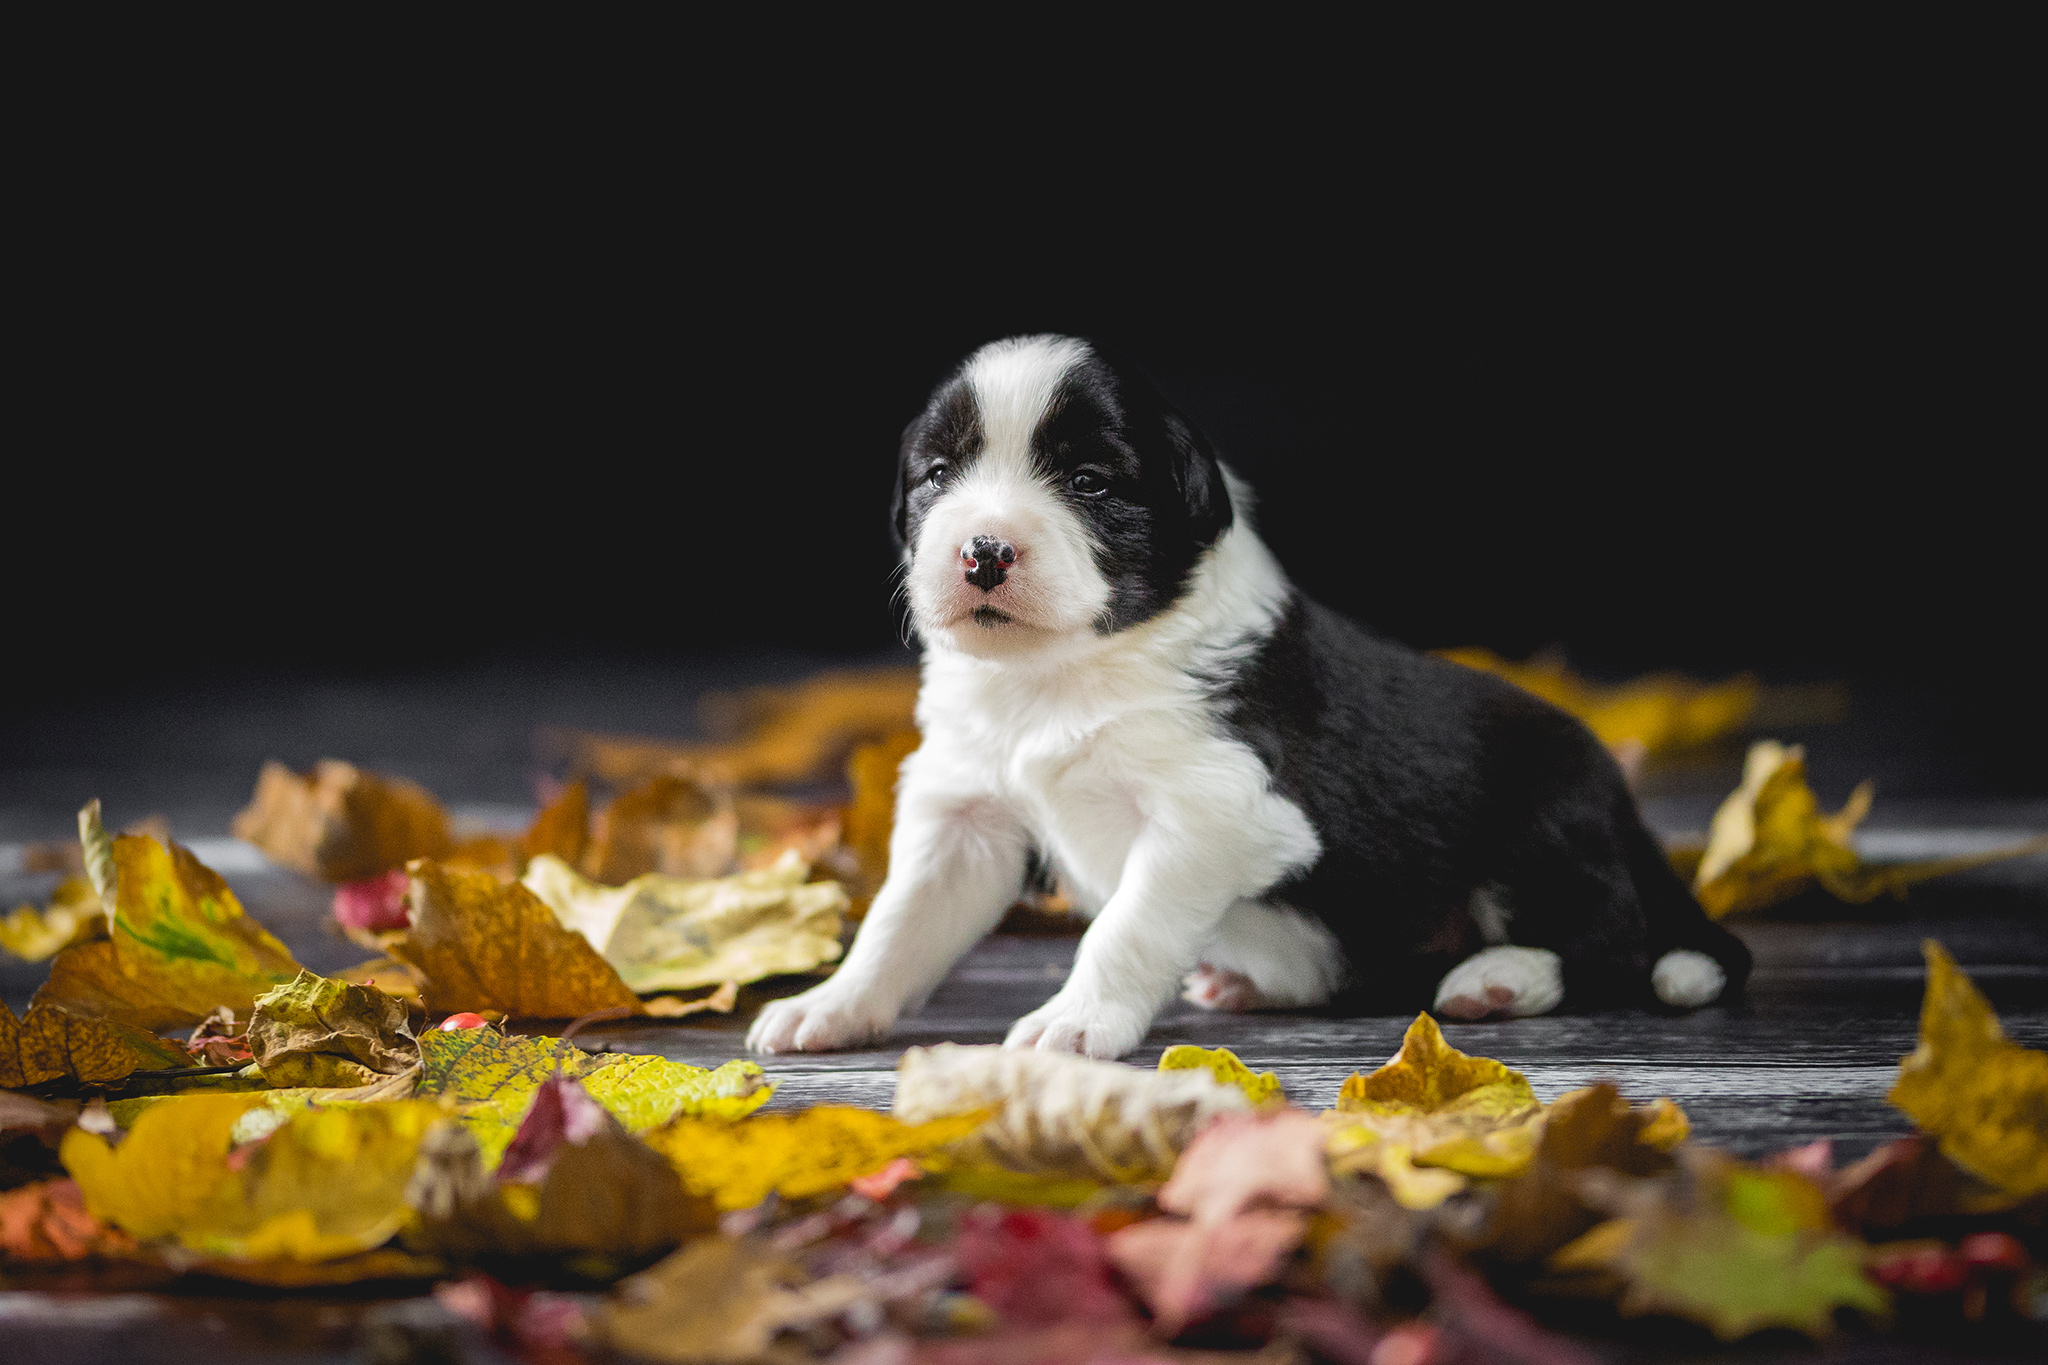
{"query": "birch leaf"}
(1053, 1114)
(51, 1043)
(1982, 1096)
(1260, 1088)
(666, 933)
(483, 944)
(737, 1165)
(178, 946)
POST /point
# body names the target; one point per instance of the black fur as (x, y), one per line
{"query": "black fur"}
(1426, 780)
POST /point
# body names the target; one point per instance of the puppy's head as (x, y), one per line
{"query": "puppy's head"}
(1049, 492)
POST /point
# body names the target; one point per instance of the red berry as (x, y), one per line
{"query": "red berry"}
(1993, 1251)
(463, 1020)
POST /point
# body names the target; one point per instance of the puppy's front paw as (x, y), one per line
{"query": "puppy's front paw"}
(1092, 1027)
(819, 1020)
(1516, 982)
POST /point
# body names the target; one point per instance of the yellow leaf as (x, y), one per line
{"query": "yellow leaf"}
(74, 915)
(485, 944)
(326, 1183)
(1051, 1114)
(179, 945)
(52, 1043)
(340, 823)
(318, 1032)
(1259, 1087)
(666, 933)
(492, 1079)
(1661, 712)
(737, 1165)
(1982, 1096)
(870, 816)
(1433, 1106)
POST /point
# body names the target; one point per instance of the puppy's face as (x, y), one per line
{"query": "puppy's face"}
(1048, 493)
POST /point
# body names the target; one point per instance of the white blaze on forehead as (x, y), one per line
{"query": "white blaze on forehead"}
(1013, 383)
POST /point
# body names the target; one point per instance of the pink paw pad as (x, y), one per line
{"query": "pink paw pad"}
(1218, 988)
(1498, 998)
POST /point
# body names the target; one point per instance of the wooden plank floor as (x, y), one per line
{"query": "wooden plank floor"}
(1808, 1053)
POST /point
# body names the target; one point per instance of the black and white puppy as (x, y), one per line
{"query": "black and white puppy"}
(1256, 800)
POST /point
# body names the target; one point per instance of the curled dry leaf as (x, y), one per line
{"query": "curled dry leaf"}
(324, 1183)
(1060, 1115)
(1260, 1088)
(74, 915)
(666, 824)
(738, 1165)
(1983, 1097)
(178, 946)
(483, 944)
(1741, 1250)
(52, 1043)
(342, 824)
(1432, 1118)
(677, 933)
(325, 1033)
(1659, 713)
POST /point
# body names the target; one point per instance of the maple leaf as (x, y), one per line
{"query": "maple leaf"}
(48, 1221)
(342, 824)
(1769, 841)
(795, 1155)
(319, 1032)
(323, 1183)
(493, 1078)
(1982, 1096)
(679, 933)
(483, 944)
(74, 915)
(1259, 1087)
(1661, 712)
(178, 945)
(1432, 1118)
(871, 772)
(1060, 1115)
(51, 1043)
(1736, 1247)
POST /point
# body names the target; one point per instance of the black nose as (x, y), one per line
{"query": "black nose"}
(987, 561)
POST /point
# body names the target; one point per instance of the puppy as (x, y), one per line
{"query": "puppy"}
(1256, 800)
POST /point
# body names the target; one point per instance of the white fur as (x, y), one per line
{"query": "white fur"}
(1289, 960)
(1687, 979)
(1098, 749)
(1516, 982)
(1491, 912)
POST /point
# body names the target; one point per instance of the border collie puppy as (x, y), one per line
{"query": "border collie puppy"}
(1256, 801)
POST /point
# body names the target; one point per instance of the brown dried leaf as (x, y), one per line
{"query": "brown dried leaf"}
(323, 1033)
(340, 823)
(719, 1299)
(51, 1043)
(48, 1222)
(667, 824)
(485, 944)
(871, 814)
(562, 827)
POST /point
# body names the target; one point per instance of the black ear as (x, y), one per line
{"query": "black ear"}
(1200, 479)
(899, 518)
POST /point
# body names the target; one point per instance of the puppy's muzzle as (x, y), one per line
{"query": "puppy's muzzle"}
(987, 561)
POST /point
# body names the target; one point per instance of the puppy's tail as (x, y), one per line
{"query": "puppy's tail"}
(1696, 961)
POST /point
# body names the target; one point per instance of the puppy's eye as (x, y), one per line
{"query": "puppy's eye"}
(940, 472)
(1088, 483)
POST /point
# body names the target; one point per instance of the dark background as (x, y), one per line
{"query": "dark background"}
(1709, 395)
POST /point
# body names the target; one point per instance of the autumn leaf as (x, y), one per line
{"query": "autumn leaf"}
(666, 824)
(719, 1299)
(1035, 1267)
(1259, 1087)
(1982, 1096)
(51, 1043)
(319, 1032)
(342, 824)
(74, 915)
(493, 1078)
(179, 944)
(483, 944)
(48, 1221)
(562, 828)
(738, 1165)
(678, 933)
(388, 975)
(1661, 712)
(1059, 1115)
(871, 815)
(1432, 1118)
(322, 1184)
(1748, 1250)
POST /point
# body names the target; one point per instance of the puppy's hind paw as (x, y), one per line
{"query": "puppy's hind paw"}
(1219, 988)
(1686, 979)
(1515, 982)
(819, 1020)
